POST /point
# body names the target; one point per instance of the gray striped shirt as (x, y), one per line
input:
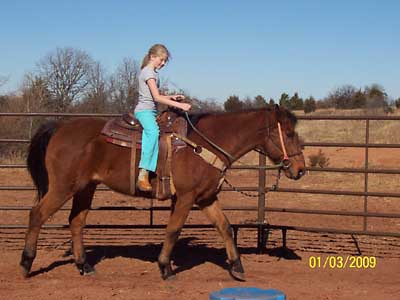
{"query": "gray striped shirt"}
(146, 101)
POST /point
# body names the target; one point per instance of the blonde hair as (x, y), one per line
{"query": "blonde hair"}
(156, 50)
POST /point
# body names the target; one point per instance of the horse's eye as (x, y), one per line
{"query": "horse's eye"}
(291, 134)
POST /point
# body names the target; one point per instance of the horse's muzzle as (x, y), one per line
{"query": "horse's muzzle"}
(300, 174)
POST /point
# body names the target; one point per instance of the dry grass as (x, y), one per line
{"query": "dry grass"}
(347, 131)
(13, 156)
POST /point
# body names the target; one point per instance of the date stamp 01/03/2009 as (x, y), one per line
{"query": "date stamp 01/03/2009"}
(342, 262)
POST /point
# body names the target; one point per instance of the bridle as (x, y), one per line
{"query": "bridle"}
(229, 156)
(284, 164)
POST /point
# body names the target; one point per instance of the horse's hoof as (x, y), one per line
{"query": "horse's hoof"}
(26, 264)
(86, 269)
(24, 271)
(236, 270)
(237, 275)
(170, 278)
(166, 272)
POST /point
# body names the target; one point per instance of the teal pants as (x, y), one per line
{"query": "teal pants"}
(151, 133)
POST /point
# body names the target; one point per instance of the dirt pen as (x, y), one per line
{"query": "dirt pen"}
(333, 234)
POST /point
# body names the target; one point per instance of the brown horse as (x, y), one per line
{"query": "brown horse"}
(69, 159)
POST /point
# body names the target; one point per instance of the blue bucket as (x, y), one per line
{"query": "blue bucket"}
(247, 293)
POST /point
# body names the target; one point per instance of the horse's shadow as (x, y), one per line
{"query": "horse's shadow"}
(184, 257)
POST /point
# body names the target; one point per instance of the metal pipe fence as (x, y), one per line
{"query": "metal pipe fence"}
(262, 191)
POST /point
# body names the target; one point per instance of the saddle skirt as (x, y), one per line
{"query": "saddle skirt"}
(120, 131)
(126, 131)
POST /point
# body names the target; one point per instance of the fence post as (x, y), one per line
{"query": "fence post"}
(366, 174)
(151, 212)
(261, 202)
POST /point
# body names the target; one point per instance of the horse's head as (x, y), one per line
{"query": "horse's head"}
(282, 143)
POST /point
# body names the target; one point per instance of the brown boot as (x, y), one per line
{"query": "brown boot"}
(143, 183)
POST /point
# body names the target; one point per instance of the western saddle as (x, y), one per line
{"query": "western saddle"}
(126, 131)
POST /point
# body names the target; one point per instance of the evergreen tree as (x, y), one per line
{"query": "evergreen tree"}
(310, 105)
(233, 103)
(271, 102)
(295, 102)
(284, 100)
(259, 101)
(376, 96)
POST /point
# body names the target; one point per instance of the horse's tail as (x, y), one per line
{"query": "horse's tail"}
(36, 157)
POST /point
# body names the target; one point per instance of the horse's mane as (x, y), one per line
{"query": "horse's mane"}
(282, 113)
(196, 117)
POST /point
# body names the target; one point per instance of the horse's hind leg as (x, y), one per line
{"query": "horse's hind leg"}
(219, 220)
(80, 207)
(177, 218)
(39, 214)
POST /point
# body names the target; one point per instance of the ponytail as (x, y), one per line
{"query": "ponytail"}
(145, 61)
(156, 49)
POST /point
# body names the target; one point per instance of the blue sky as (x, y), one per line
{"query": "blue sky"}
(219, 48)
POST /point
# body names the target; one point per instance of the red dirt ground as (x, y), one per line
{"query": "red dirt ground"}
(125, 260)
(131, 273)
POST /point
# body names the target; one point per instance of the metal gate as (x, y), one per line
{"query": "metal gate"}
(260, 188)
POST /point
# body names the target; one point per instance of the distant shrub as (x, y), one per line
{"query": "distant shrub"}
(318, 160)
(388, 110)
(397, 103)
(310, 105)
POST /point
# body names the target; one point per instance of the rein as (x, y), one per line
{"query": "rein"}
(230, 157)
(284, 164)
(274, 187)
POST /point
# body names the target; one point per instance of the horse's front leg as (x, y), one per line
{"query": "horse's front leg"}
(176, 221)
(221, 223)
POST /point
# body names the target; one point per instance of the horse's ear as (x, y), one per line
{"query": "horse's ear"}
(274, 115)
(278, 112)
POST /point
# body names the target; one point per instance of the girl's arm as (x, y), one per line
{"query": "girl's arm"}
(168, 100)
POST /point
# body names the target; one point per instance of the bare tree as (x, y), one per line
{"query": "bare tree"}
(3, 80)
(66, 73)
(97, 89)
(204, 106)
(341, 97)
(124, 89)
(35, 93)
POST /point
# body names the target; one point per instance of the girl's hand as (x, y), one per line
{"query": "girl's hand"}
(177, 97)
(185, 106)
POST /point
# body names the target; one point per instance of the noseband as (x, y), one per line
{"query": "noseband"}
(285, 161)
